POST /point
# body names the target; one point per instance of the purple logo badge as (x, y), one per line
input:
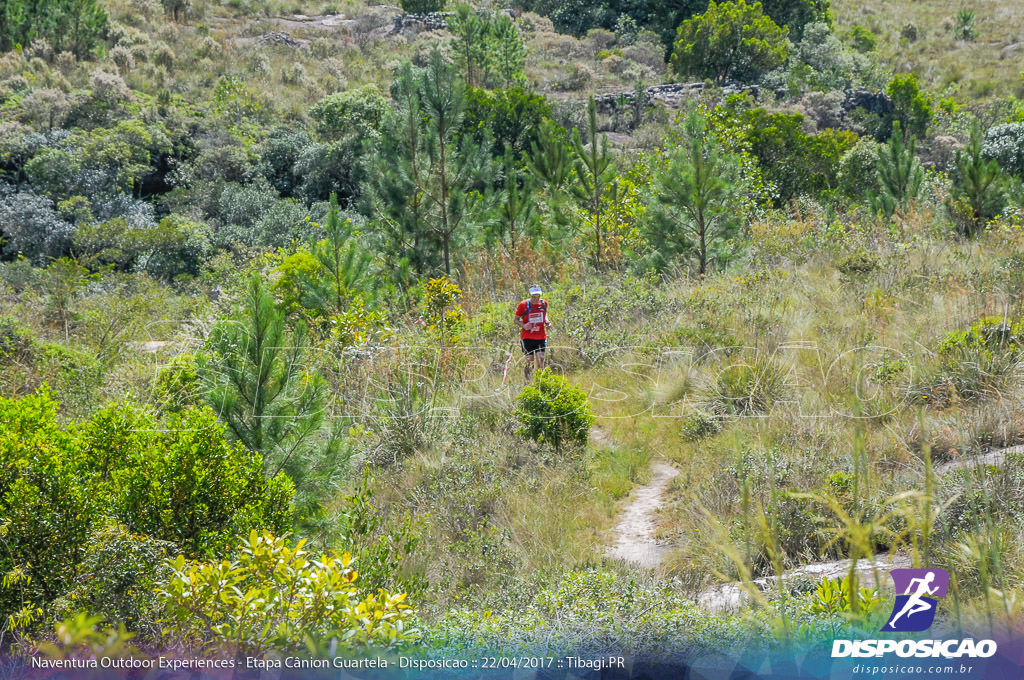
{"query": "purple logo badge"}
(916, 590)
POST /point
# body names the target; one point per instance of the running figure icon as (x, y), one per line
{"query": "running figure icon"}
(916, 603)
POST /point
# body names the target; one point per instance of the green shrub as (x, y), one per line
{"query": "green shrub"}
(16, 342)
(795, 15)
(356, 112)
(699, 425)
(1005, 144)
(177, 384)
(912, 108)
(795, 162)
(862, 39)
(821, 61)
(46, 502)
(964, 373)
(857, 175)
(730, 41)
(384, 548)
(858, 264)
(553, 410)
(833, 596)
(183, 481)
(274, 597)
(887, 371)
(117, 577)
(80, 635)
(973, 364)
(179, 481)
(748, 388)
(992, 333)
(177, 245)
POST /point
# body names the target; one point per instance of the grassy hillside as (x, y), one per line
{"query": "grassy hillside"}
(920, 37)
(280, 246)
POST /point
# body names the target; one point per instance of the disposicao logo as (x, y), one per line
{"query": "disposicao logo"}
(914, 610)
(917, 591)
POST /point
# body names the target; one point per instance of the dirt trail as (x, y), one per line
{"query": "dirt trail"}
(634, 533)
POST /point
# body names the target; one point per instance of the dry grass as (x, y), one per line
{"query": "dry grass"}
(988, 67)
(850, 351)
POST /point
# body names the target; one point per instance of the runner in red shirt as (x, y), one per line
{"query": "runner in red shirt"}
(532, 319)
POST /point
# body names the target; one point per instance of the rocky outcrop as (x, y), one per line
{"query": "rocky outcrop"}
(673, 95)
(280, 39)
(869, 100)
(432, 21)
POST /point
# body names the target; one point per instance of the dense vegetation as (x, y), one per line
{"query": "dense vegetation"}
(257, 280)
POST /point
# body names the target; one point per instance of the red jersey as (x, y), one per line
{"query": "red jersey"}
(536, 320)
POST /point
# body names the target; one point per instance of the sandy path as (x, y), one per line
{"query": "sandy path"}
(634, 534)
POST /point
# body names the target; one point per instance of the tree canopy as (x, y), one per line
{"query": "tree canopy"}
(730, 41)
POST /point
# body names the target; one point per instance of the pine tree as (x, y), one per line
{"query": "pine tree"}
(507, 53)
(595, 171)
(899, 173)
(394, 195)
(256, 380)
(516, 211)
(73, 25)
(339, 277)
(458, 167)
(472, 31)
(12, 15)
(345, 263)
(82, 24)
(979, 183)
(549, 161)
(696, 200)
(430, 184)
(549, 164)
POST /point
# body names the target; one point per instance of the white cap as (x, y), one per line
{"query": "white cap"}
(535, 290)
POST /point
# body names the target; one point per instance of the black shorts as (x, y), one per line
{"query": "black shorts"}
(531, 346)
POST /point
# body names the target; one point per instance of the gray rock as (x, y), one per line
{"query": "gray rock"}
(869, 100)
(670, 94)
(279, 39)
